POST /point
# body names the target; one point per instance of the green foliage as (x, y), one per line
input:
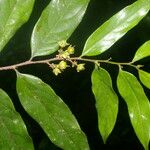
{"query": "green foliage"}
(106, 101)
(142, 52)
(113, 29)
(13, 132)
(13, 14)
(56, 24)
(138, 105)
(145, 78)
(40, 101)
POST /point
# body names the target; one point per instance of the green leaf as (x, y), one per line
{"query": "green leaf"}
(13, 14)
(116, 27)
(106, 101)
(138, 105)
(57, 22)
(142, 52)
(40, 101)
(145, 78)
(13, 132)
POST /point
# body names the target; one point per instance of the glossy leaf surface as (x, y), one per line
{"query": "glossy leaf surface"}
(113, 29)
(138, 105)
(13, 14)
(106, 101)
(145, 78)
(142, 52)
(57, 22)
(40, 101)
(13, 132)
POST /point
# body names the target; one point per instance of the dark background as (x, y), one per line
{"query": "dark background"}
(75, 88)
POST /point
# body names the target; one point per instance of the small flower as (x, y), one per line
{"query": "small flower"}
(80, 67)
(62, 65)
(60, 51)
(56, 71)
(70, 49)
(62, 43)
(65, 55)
(74, 63)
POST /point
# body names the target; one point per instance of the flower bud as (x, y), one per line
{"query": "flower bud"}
(70, 50)
(62, 43)
(62, 65)
(80, 67)
(56, 71)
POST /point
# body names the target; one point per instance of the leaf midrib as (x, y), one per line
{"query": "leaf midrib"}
(106, 34)
(130, 86)
(53, 118)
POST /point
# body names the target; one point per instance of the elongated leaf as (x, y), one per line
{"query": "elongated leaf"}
(57, 22)
(113, 29)
(138, 105)
(145, 78)
(142, 52)
(13, 14)
(13, 132)
(40, 101)
(106, 101)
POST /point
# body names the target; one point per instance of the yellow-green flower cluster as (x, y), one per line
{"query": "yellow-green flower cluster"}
(59, 67)
(65, 49)
(64, 53)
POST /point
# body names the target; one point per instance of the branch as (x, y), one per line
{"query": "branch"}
(48, 61)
